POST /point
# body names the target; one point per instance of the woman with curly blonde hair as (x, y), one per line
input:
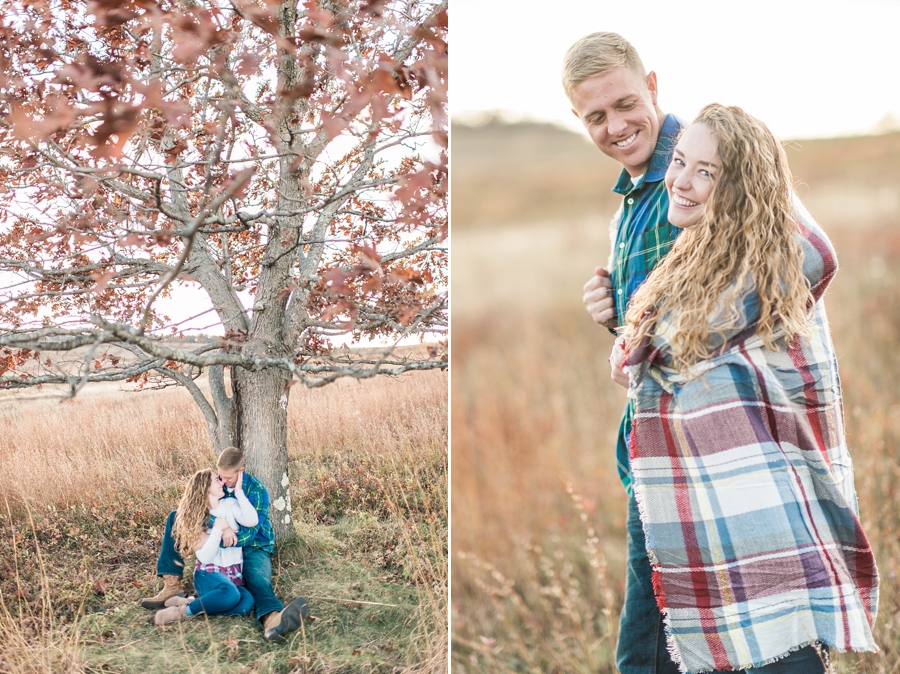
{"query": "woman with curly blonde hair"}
(742, 476)
(218, 571)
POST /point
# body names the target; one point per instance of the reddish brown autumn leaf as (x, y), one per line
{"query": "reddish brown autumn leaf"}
(232, 647)
(368, 255)
(99, 587)
(102, 279)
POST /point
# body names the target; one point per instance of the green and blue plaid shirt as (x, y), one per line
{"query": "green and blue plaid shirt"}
(262, 535)
(643, 237)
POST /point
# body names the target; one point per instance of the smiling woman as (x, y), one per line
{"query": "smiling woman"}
(218, 576)
(691, 175)
(737, 451)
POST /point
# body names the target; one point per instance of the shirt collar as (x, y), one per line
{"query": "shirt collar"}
(659, 162)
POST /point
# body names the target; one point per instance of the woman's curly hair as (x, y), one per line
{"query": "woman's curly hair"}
(746, 240)
(192, 516)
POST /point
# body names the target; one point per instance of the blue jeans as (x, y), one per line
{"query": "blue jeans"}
(217, 595)
(642, 640)
(257, 571)
(169, 562)
(258, 580)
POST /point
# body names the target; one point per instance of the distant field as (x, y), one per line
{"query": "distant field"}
(537, 510)
(513, 174)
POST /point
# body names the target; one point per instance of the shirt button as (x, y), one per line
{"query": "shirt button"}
(622, 245)
(619, 291)
(630, 201)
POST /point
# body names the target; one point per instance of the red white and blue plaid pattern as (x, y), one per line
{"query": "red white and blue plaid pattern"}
(234, 573)
(745, 488)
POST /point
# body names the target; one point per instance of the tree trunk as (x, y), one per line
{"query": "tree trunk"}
(261, 401)
(224, 432)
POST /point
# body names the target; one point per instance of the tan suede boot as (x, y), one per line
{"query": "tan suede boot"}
(172, 587)
(179, 601)
(271, 621)
(170, 615)
(279, 623)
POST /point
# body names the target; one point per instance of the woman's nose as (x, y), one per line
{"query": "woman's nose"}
(682, 181)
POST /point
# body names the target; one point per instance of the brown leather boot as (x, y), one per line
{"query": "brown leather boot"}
(169, 615)
(172, 587)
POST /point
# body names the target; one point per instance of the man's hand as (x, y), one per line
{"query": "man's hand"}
(598, 299)
(616, 358)
(229, 537)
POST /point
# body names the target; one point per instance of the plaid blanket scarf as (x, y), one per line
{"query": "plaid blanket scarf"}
(745, 489)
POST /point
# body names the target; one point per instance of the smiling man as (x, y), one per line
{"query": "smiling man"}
(616, 100)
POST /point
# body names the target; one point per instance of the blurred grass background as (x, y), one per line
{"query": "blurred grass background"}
(538, 512)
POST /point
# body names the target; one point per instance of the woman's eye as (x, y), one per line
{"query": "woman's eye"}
(677, 162)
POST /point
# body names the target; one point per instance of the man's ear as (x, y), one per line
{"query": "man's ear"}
(651, 85)
(575, 112)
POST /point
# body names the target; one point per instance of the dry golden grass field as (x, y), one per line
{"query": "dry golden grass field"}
(537, 515)
(86, 486)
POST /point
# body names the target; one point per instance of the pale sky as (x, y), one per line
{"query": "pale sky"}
(806, 68)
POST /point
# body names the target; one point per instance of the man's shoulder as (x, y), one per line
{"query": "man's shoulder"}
(251, 484)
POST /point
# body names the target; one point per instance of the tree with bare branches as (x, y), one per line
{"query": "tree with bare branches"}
(287, 160)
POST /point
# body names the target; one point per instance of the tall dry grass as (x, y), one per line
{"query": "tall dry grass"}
(533, 410)
(102, 442)
(538, 512)
(382, 445)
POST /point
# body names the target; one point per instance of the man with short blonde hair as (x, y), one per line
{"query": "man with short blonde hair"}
(258, 543)
(231, 458)
(598, 54)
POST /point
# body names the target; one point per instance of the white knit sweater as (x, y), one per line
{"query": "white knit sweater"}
(237, 510)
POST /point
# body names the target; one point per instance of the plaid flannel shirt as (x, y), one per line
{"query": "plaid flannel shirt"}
(641, 237)
(234, 573)
(262, 535)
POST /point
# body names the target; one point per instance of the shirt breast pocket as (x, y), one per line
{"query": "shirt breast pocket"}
(657, 242)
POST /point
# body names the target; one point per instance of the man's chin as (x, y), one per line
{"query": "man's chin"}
(627, 158)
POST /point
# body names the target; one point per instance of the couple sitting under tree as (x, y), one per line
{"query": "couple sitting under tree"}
(223, 519)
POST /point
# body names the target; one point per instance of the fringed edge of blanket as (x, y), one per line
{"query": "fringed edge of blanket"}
(659, 594)
(817, 643)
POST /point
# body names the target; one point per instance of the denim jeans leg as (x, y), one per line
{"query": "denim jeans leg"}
(642, 643)
(805, 661)
(216, 594)
(169, 562)
(244, 605)
(258, 580)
